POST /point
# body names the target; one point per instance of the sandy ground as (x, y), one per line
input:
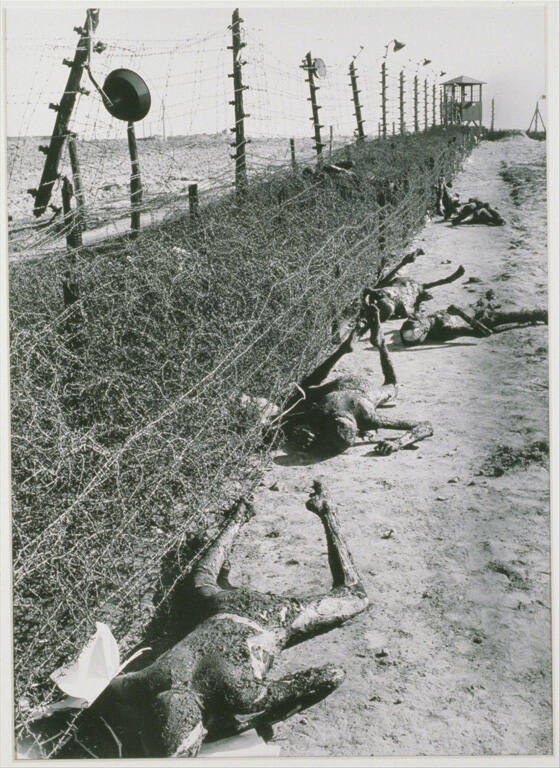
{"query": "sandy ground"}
(453, 656)
(166, 167)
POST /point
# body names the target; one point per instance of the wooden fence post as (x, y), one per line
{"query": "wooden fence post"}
(401, 101)
(135, 182)
(193, 203)
(293, 153)
(433, 105)
(77, 179)
(309, 67)
(356, 99)
(492, 118)
(70, 289)
(384, 98)
(425, 104)
(330, 140)
(416, 124)
(63, 113)
(238, 88)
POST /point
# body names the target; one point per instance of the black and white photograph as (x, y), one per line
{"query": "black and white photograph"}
(279, 383)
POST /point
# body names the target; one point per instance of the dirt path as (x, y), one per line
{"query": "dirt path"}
(453, 656)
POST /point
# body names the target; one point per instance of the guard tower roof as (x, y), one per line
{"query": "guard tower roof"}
(464, 80)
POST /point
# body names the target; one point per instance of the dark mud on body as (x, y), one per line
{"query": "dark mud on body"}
(453, 540)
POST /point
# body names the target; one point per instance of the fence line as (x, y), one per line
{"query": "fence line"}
(189, 79)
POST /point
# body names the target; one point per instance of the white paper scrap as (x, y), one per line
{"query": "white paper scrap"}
(95, 667)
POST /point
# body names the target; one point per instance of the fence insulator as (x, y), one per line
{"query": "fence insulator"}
(68, 62)
(55, 107)
(32, 191)
(83, 91)
(79, 30)
(99, 47)
(43, 148)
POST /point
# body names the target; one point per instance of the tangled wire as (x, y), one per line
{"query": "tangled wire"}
(129, 434)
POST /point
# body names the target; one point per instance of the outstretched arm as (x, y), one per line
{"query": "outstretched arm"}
(472, 321)
(414, 431)
(319, 374)
(408, 259)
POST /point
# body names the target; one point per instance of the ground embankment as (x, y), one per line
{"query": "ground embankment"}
(127, 434)
(452, 539)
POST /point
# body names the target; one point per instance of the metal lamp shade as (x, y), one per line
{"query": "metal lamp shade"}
(129, 95)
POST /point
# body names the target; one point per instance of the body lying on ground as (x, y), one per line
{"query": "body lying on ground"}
(329, 417)
(215, 681)
(483, 319)
(477, 212)
(401, 296)
(447, 202)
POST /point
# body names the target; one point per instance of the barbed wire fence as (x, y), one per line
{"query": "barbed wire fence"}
(128, 437)
(186, 137)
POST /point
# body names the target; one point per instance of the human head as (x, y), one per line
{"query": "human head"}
(415, 330)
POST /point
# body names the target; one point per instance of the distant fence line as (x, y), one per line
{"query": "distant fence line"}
(191, 82)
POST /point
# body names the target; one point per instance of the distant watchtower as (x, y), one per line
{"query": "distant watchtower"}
(462, 101)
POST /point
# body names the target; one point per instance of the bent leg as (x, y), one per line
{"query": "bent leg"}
(213, 565)
(347, 598)
(378, 340)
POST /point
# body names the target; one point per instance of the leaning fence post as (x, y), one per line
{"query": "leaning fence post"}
(384, 98)
(135, 182)
(64, 112)
(293, 153)
(77, 179)
(237, 103)
(356, 100)
(401, 101)
(416, 124)
(309, 67)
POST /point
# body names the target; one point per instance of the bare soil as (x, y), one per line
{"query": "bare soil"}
(454, 654)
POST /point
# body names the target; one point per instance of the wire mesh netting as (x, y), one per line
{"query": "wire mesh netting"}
(129, 433)
(186, 138)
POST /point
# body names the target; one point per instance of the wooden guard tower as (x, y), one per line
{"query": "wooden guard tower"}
(462, 100)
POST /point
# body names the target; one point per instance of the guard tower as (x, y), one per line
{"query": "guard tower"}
(462, 101)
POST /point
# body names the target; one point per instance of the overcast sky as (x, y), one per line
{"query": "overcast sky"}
(500, 43)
